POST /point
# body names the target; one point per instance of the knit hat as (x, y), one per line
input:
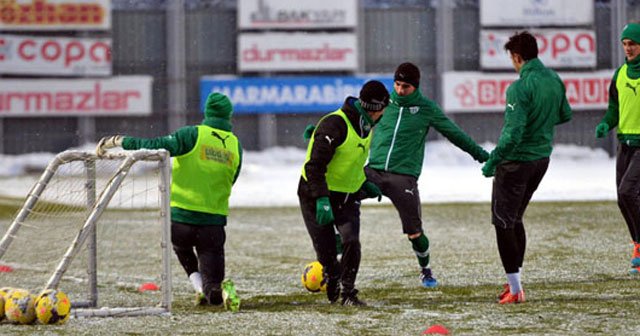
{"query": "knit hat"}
(408, 72)
(631, 31)
(218, 106)
(374, 96)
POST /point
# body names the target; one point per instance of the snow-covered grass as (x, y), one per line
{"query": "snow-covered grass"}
(575, 271)
(575, 275)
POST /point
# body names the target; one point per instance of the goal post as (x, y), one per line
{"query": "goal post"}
(97, 228)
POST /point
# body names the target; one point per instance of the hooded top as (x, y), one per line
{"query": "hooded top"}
(217, 114)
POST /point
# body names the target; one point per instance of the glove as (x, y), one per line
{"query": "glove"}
(483, 157)
(324, 214)
(601, 130)
(108, 142)
(308, 131)
(371, 190)
(489, 168)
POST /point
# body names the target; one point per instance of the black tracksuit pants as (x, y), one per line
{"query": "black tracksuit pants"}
(346, 211)
(208, 257)
(628, 187)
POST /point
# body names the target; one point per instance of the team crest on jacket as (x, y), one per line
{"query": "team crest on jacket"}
(414, 109)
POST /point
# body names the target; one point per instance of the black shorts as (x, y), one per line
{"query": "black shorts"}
(403, 192)
(513, 185)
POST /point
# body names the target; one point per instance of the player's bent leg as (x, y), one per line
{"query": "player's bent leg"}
(420, 245)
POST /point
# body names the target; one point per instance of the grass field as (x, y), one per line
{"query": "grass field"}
(575, 276)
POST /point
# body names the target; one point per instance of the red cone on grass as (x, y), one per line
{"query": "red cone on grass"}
(436, 329)
(6, 269)
(148, 286)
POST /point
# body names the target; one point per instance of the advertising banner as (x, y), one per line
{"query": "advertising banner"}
(477, 91)
(116, 96)
(557, 48)
(297, 14)
(503, 13)
(21, 54)
(297, 52)
(55, 15)
(287, 94)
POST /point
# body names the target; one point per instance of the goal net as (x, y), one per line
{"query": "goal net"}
(96, 228)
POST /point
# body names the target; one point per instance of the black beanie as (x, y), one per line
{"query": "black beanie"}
(409, 73)
(374, 96)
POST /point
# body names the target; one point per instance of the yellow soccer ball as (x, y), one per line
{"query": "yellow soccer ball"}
(19, 307)
(312, 278)
(4, 292)
(1, 307)
(52, 307)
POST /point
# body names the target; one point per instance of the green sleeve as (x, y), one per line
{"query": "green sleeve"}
(453, 133)
(612, 116)
(514, 123)
(180, 142)
(565, 112)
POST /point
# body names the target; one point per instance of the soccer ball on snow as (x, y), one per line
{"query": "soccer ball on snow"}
(4, 291)
(19, 307)
(312, 278)
(52, 307)
(1, 307)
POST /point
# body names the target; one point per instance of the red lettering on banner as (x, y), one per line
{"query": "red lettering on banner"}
(22, 50)
(68, 52)
(592, 91)
(573, 90)
(68, 101)
(326, 53)
(587, 39)
(487, 92)
(559, 44)
(50, 47)
(96, 49)
(2, 44)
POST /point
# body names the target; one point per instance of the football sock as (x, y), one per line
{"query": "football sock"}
(514, 282)
(421, 248)
(196, 281)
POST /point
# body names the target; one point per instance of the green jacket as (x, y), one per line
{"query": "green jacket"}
(536, 102)
(612, 117)
(399, 138)
(179, 143)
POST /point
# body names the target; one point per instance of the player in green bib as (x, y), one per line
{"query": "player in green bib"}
(206, 163)
(333, 183)
(624, 102)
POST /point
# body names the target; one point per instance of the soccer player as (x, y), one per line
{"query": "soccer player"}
(535, 104)
(397, 153)
(623, 113)
(206, 163)
(333, 184)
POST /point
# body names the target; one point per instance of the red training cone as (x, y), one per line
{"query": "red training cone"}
(6, 269)
(436, 329)
(148, 286)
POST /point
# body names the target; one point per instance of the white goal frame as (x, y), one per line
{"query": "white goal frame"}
(97, 203)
